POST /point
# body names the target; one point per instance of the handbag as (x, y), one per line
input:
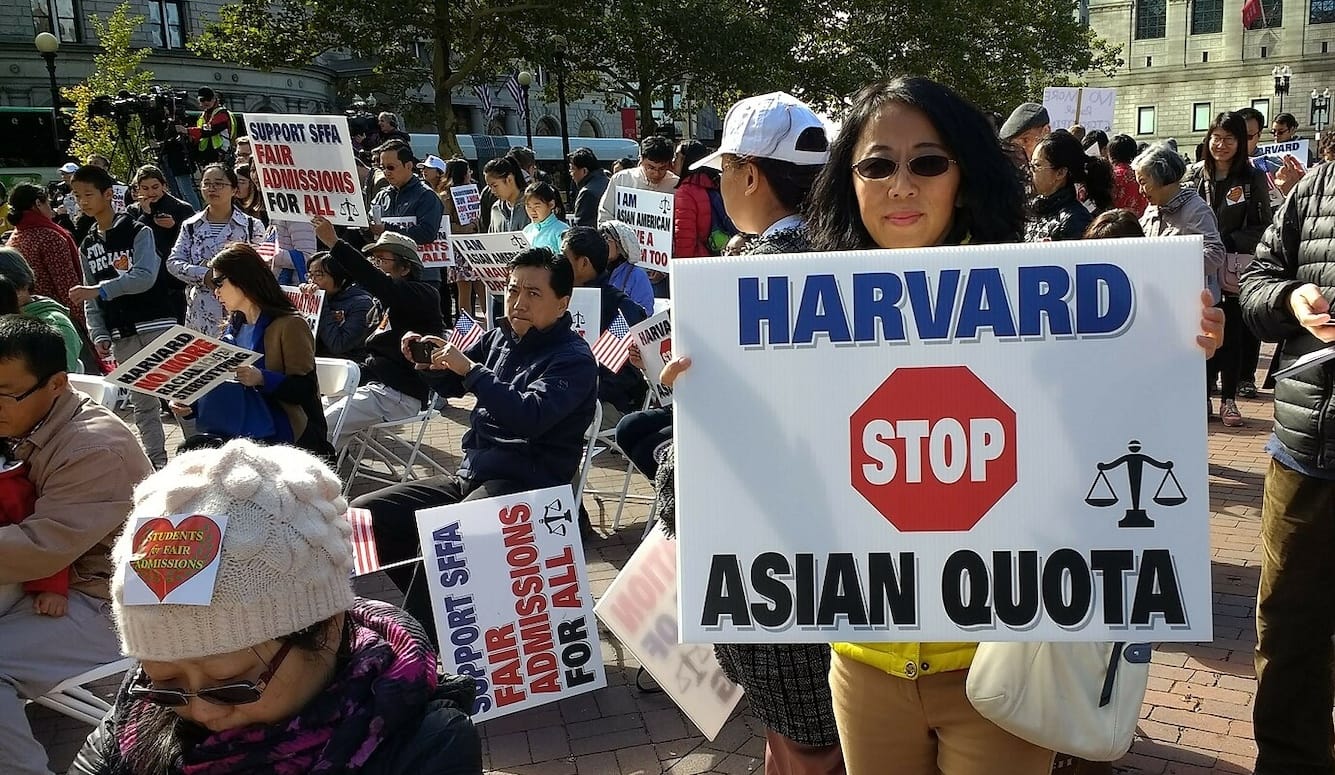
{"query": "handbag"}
(1079, 698)
(1231, 273)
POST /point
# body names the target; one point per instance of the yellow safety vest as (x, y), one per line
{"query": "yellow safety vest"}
(218, 141)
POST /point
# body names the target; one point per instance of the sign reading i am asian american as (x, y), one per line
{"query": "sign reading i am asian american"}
(650, 214)
(511, 598)
(306, 168)
(489, 255)
(917, 457)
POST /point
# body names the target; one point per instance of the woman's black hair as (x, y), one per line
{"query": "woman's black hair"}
(1111, 224)
(692, 151)
(253, 201)
(543, 191)
(23, 198)
(9, 297)
(991, 196)
(504, 166)
(227, 172)
(1064, 152)
(1095, 137)
(1122, 149)
(244, 268)
(1235, 124)
(457, 171)
(162, 735)
(332, 268)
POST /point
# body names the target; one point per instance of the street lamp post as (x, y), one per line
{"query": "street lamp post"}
(525, 79)
(47, 44)
(1320, 109)
(559, 43)
(1281, 76)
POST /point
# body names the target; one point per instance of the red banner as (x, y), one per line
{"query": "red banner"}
(630, 123)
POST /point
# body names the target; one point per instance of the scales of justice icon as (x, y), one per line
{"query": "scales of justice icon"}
(1102, 495)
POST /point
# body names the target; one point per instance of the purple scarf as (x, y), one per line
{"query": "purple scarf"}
(386, 680)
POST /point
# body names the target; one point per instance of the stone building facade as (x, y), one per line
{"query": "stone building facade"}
(1187, 60)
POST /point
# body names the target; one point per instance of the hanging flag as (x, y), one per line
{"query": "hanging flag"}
(365, 558)
(613, 348)
(517, 92)
(1251, 11)
(484, 96)
(466, 332)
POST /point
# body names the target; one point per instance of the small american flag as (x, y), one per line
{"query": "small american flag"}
(484, 96)
(365, 558)
(466, 332)
(517, 92)
(268, 249)
(613, 348)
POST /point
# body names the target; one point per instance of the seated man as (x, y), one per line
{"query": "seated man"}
(587, 252)
(390, 386)
(535, 381)
(84, 463)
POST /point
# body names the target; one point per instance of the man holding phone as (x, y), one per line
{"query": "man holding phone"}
(536, 385)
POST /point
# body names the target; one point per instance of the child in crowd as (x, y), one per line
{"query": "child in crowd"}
(540, 200)
(18, 496)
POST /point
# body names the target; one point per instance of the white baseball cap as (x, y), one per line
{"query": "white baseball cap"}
(434, 162)
(69, 168)
(768, 126)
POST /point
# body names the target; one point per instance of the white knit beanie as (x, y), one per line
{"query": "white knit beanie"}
(286, 559)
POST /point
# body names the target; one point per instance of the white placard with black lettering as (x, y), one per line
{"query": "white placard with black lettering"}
(1093, 108)
(653, 337)
(489, 255)
(511, 599)
(650, 214)
(586, 313)
(181, 365)
(950, 444)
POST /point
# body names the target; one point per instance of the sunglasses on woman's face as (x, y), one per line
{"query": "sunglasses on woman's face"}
(881, 168)
(217, 280)
(235, 693)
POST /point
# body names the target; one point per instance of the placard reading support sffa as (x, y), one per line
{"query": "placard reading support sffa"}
(306, 168)
(953, 444)
(181, 365)
(650, 214)
(511, 599)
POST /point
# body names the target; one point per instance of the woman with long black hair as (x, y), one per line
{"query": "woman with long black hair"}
(1057, 212)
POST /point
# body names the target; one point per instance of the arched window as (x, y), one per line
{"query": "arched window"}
(547, 127)
(590, 128)
(1151, 19)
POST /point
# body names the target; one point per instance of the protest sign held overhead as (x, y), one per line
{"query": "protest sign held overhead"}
(181, 365)
(308, 304)
(653, 337)
(952, 483)
(511, 599)
(306, 168)
(435, 254)
(650, 214)
(1090, 107)
(640, 608)
(489, 255)
(467, 203)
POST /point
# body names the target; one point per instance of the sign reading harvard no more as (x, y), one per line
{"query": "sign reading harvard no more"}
(956, 444)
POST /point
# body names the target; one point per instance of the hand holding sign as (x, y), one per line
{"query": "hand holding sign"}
(324, 231)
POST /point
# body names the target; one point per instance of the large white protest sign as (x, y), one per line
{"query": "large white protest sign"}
(119, 192)
(435, 254)
(489, 255)
(1090, 107)
(951, 444)
(306, 168)
(308, 304)
(511, 599)
(650, 214)
(653, 337)
(586, 313)
(467, 203)
(640, 608)
(181, 365)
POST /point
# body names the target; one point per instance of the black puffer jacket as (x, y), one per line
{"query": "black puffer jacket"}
(1241, 205)
(1298, 248)
(1057, 217)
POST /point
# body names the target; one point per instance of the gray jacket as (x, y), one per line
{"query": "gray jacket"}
(1188, 213)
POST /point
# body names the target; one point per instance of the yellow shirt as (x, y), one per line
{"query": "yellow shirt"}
(910, 660)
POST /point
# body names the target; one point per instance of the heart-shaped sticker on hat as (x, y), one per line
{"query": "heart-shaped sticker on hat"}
(175, 559)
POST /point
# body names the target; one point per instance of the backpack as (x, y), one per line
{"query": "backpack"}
(721, 228)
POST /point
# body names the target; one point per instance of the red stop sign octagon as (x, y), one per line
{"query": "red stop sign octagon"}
(933, 448)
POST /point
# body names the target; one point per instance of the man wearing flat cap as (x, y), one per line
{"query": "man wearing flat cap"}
(390, 386)
(1027, 125)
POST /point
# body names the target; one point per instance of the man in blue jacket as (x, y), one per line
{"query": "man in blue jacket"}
(407, 205)
(535, 381)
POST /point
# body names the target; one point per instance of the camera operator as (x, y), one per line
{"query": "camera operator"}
(174, 154)
(213, 131)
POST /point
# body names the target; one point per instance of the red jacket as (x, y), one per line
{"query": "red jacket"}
(18, 498)
(692, 216)
(54, 259)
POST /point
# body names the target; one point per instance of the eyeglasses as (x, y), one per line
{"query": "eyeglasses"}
(215, 184)
(881, 168)
(217, 280)
(236, 693)
(9, 398)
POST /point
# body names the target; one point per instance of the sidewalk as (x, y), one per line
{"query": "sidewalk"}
(1196, 719)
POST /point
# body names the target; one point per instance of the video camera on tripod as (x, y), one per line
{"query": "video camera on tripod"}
(159, 110)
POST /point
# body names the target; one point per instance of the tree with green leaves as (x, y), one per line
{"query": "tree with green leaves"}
(117, 66)
(469, 41)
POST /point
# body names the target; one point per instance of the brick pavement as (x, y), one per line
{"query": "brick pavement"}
(1196, 719)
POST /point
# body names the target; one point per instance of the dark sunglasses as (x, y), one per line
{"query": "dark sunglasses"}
(238, 693)
(881, 168)
(217, 280)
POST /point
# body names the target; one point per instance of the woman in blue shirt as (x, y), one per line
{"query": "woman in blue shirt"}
(545, 232)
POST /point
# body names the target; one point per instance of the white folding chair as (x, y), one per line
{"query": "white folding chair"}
(72, 698)
(374, 442)
(608, 437)
(338, 378)
(590, 450)
(96, 388)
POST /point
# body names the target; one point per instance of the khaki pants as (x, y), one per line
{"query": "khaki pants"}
(1295, 618)
(893, 726)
